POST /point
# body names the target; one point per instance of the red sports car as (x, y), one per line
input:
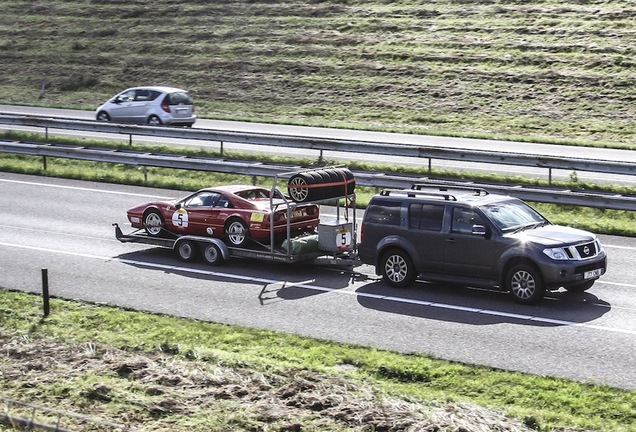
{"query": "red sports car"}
(236, 213)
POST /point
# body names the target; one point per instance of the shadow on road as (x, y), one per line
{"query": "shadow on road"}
(279, 281)
(475, 306)
(284, 282)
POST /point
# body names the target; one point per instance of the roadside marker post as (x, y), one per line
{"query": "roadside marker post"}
(45, 291)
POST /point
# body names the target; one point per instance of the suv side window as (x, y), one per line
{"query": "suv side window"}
(426, 216)
(464, 219)
(385, 213)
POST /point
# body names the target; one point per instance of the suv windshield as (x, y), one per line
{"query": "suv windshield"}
(513, 215)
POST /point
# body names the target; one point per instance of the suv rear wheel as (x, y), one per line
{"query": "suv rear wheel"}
(525, 284)
(397, 268)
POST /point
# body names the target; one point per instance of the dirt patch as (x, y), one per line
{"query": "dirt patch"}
(160, 392)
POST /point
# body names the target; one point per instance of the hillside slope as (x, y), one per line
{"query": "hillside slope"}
(540, 68)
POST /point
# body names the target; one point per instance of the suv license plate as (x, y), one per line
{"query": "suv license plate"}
(592, 273)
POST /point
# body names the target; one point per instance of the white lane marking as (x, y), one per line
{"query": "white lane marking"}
(84, 189)
(616, 283)
(619, 247)
(305, 285)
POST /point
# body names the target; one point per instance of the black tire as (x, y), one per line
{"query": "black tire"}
(525, 284)
(331, 188)
(186, 250)
(298, 187)
(102, 116)
(397, 268)
(212, 254)
(236, 232)
(579, 288)
(154, 223)
(153, 120)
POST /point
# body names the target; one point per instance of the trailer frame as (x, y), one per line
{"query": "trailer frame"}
(214, 250)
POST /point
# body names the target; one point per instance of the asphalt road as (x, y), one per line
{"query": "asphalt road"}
(65, 227)
(421, 140)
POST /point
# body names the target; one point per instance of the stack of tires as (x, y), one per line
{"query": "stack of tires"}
(321, 184)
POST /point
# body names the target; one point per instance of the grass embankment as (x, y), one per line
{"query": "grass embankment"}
(544, 70)
(163, 373)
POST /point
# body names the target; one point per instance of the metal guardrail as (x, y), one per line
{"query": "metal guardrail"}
(377, 180)
(336, 145)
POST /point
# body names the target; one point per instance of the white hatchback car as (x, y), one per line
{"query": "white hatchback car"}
(153, 106)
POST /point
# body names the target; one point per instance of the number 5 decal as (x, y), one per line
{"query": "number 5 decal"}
(343, 238)
(180, 218)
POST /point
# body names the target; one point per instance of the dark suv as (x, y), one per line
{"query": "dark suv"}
(470, 237)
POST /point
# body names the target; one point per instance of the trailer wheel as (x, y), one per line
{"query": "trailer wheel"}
(212, 254)
(236, 232)
(186, 250)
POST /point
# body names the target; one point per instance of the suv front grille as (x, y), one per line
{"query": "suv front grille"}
(582, 251)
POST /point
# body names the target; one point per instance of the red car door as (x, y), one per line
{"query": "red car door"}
(196, 214)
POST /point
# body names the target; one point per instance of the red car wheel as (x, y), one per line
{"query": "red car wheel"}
(153, 222)
(236, 232)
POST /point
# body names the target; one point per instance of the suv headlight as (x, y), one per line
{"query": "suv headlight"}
(556, 253)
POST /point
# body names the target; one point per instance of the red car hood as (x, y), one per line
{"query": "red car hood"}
(159, 204)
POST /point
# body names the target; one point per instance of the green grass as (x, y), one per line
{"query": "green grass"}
(109, 361)
(542, 71)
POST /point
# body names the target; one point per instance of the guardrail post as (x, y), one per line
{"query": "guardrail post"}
(44, 162)
(550, 176)
(221, 149)
(130, 140)
(430, 165)
(145, 169)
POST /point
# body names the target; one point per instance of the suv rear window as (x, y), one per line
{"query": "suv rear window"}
(386, 213)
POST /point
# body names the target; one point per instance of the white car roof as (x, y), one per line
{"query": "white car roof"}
(158, 88)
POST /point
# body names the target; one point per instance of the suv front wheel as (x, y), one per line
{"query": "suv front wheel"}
(397, 268)
(525, 284)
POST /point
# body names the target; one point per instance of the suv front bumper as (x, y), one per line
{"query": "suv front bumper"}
(558, 274)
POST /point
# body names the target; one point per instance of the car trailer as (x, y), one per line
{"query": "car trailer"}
(334, 244)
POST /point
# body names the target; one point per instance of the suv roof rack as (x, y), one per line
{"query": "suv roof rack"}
(477, 191)
(412, 193)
